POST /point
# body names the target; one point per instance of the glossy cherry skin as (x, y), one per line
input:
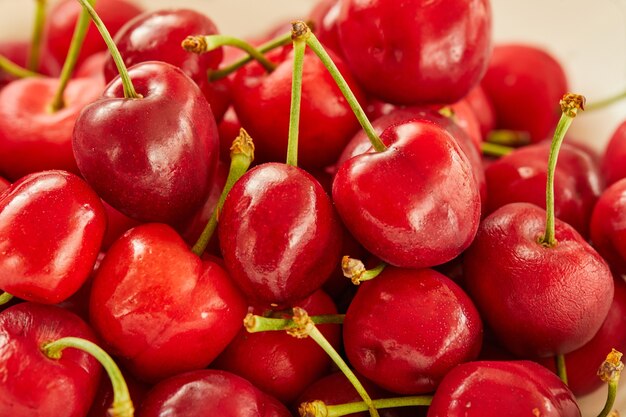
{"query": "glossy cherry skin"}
(34, 385)
(483, 109)
(539, 300)
(277, 363)
(279, 234)
(32, 138)
(612, 164)
(51, 229)
(209, 392)
(324, 17)
(525, 84)
(4, 185)
(61, 20)
(262, 102)
(157, 35)
(415, 204)
(161, 308)
(406, 329)
(503, 388)
(521, 177)
(608, 226)
(429, 52)
(151, 158)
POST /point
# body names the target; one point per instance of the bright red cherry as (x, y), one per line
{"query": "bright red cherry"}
(608, 225)
(495, 389)
(483, 109)
(613, 167)
(416, 51)
(51, 229)
(406, 329)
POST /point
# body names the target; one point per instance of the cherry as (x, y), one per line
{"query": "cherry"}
(406, 329)
(101, 405)
(525, 83)
(324, 18)
(51, 229)
(278, 363)
(429, 52)
(415, 204)
(4, 185)
(62, 18)
(615, 152)
(209, 392)
(17, 53)
(34, 384)
(608, 226)
(160, 307)
(483, 109)
(506, 388)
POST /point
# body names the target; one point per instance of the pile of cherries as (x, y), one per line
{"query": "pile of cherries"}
(186, 210)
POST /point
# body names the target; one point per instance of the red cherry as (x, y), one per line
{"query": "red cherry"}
(324, 17)
(416, 51)
(612, 164)
(209, 393)
(160, 307)
(101, 404)
(483, 109)
(4, 185)
(415, 204)
(608, 225)
(278, 363)
(279, 234)
(158, 152)
(62, 18)
(33, 384)
(16, 52)
(539, 300)
(525, 84)
(495, 389)
(228, 129)
(406, 329)
(51, 229)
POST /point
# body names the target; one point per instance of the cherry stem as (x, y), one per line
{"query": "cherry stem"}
(129, 89)
(319, 50)
(609, 372)
(561, 369)
(318, 408)
(355, 270)
(35, 45)
(272, 44)
(570, 105)
(80, 31)
(241, 156)
(122, 404)
(15, 70)
(299, 35)
(600, 104)
(514, 138)
(306, 328)
(493, 149)
(5, 297)
(255, 324)
(201, 44)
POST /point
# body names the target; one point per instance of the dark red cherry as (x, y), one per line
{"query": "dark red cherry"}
(612, 165)
(277, 363)
(151, 158)
(104, 396)
(416, 51)
(160, 307)
(495, 389)
(539, 300)
(51, 229)
(417, 203)
(209, 393)
(608, 225)
(34, 385)
(406, 329)
(4, 185)
(525, 84)
(279, 234)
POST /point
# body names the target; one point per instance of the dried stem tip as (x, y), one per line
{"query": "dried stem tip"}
(195, 44)
(303, 323)
(300, 30)
(352, 268)
(315, 408)
(571, 103)
(243, 144)
(612, 367)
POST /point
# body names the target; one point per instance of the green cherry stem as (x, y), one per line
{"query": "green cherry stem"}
(514, 138)
(320, 409)
(80, 31)
(241, 156)
(570, 105)
(561, 369)
(122, 404)
(313, 43)
(355, 270)
(5, 297)
(493, 149)
(255, 324)
(299, 36)
(606, 102)
(129, 89)
(201, 44)
(270, 45)
(15, 70)
(610, 372)
(35, 45)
